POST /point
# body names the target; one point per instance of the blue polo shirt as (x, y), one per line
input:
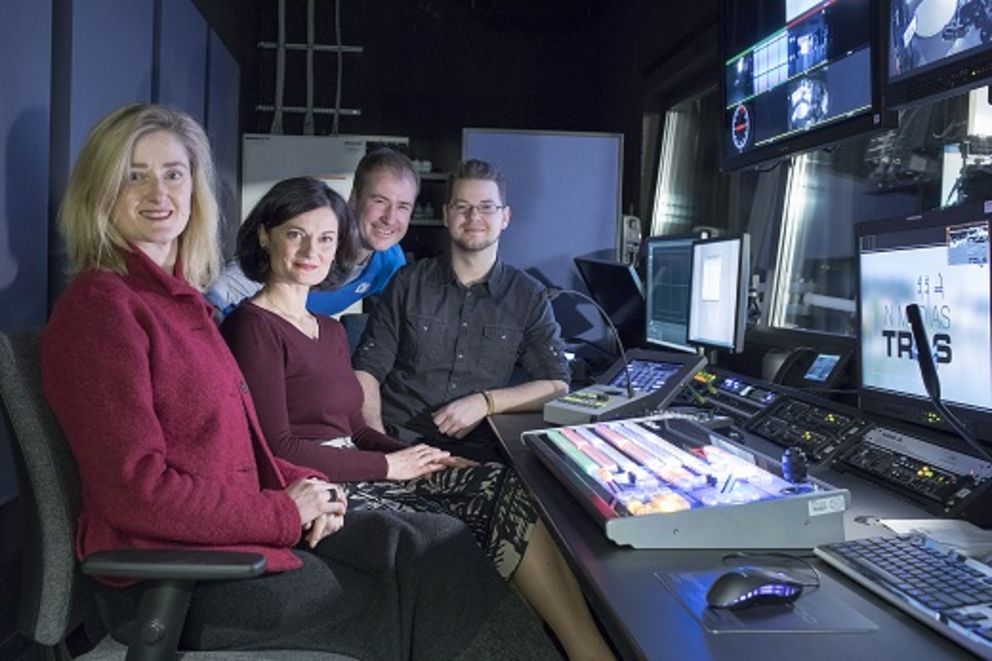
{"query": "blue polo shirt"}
(232, 286)
(373, 279)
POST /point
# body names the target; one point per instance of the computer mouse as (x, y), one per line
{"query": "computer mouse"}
(743, 587)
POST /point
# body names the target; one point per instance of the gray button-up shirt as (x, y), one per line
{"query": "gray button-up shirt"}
(431, 340)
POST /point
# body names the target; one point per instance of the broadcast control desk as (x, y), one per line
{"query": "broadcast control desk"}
(632, 593)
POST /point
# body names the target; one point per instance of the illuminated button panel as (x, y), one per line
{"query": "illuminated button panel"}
(913, 466)
(819, 431)
(659, 482)
(731, 393)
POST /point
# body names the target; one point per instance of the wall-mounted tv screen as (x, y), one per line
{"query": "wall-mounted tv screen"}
(936, 48)
(797, 74)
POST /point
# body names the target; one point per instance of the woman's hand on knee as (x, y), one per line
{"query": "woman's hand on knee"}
(458, 462)
(415, 461)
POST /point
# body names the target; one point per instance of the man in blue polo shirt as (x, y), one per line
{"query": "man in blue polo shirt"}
(382, 198)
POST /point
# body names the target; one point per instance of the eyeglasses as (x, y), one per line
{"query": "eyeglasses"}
(484, 208)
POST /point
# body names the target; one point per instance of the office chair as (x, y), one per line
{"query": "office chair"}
(55, 598)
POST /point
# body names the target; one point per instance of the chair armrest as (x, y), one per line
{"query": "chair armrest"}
(171, 564)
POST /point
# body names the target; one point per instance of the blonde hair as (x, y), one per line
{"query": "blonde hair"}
(98, 178)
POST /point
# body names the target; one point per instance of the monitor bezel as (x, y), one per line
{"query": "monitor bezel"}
(915, 409)
(743, 284)
(634, 331)
(648, 242)
(896, 93)
(871, 119)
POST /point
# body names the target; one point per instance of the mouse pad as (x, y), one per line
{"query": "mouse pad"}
(815, 611)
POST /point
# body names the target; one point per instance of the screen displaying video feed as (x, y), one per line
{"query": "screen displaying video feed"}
(937, 48)
(718, 294)
(945, 270)
(669, 275)
(792, 67)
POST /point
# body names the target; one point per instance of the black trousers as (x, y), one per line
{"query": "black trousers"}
(388, 585)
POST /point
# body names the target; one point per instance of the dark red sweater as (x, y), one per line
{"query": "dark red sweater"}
(160, 421)
(306, 392)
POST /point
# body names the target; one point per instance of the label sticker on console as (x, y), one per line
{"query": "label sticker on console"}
(821, 506)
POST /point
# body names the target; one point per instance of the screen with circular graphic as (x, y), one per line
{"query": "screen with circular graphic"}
(792, 68)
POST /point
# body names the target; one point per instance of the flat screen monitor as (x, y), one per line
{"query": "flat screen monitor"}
(668, 275)
(797, 74)
(939, 261)
(936, 48)
(718, 293)
(617, 289)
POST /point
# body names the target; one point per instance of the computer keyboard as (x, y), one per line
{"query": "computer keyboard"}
(930, 581)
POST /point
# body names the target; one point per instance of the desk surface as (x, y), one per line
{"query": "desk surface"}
(645, 620)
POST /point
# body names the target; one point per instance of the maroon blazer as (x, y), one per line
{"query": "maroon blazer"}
(160, 421)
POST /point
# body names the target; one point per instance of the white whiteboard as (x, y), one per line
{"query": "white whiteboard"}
(268, 159)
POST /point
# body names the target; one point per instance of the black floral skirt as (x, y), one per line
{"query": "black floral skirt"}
(489, 498)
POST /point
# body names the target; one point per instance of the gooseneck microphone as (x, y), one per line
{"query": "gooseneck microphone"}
(932, 382)
(551, 293)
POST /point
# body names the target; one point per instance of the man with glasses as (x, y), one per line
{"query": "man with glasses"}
(386, 186)
(440, 347)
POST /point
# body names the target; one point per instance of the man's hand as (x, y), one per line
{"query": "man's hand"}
(461, 416)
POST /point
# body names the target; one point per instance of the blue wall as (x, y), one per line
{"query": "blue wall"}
(224, 82)
(180, 62)
(64, 65)
(25, 54)
(26, 60)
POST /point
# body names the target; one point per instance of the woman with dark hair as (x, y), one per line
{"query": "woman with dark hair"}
(309, 404)
(171, 454)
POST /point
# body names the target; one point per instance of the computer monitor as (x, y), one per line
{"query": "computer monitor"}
(936, 48)
(939, 261)
(668, 275)
(718, 293)
(798, 74)
(617, 289)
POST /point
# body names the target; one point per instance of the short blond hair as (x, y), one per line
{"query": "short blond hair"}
(98, 178)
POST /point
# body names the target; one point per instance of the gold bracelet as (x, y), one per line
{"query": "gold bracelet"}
(490, 404)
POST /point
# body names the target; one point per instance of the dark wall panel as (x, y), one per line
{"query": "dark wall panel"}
(25, 50)
(26, 53)
(181, 61)
(224, 81)
(111, 61)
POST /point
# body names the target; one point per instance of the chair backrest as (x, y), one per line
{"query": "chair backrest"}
(52, 603)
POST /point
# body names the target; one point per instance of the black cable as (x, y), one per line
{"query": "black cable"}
(551, 293)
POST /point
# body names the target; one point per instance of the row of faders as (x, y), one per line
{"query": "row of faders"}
(672, 483)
